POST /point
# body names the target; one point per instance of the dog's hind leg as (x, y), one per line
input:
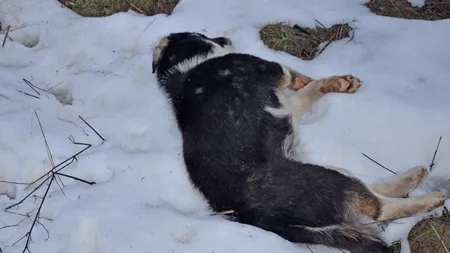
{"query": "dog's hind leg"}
(382, 208)
(304, 98)
(401, 185)
(398, 187)
(396, 208)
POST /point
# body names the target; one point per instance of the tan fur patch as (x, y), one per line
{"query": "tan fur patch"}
(369, 207)
(285, 81)
(293, 80)
(157, 51)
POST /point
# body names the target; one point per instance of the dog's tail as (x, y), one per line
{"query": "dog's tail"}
(357, 238)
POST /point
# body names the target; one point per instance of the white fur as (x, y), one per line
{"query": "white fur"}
(190, 63)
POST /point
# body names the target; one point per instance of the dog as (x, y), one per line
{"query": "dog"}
(240, 147)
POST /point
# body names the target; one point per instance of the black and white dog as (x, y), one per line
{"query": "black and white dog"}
(239, 147)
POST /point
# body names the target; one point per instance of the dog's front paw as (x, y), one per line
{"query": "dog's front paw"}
(341, 84)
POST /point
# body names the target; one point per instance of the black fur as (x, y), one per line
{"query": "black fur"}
(233, 150)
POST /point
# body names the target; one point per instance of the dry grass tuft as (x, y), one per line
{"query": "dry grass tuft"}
(101, 8)
(431, 236)
(432, 10)
(305, 43)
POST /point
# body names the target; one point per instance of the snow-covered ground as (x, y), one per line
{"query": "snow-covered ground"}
(143, 201)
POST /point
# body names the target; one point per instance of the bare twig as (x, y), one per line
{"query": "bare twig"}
(103, 139)
(53, 174)
(28, 195)
(27, 214)
(15, 225)
(18, 28)
(49, 153)
(309, 249)
(28, 94)
(51, 88)
(320, 23)
(60, 188)
(28, 235)
(435, 152)
(73, 123)
(351, 37)
(12, 182)
(149, 24)
(71, 159)
(6, 35)
(76, 178)
(324, 47)
(393, 172)
(32, 86)
(47, 147)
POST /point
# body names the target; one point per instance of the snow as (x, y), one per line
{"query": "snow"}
(417, 3)
(143, 201)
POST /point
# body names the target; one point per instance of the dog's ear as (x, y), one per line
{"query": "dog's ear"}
(158, 52)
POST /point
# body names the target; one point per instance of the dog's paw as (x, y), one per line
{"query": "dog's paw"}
(416, 175)
(341, 84)
(434, 200)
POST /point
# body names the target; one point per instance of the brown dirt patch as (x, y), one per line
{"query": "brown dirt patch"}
(101, 8)
(432, 10)
(431, 235)
(305, 43)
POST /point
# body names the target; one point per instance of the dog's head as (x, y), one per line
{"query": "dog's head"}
(183, 51)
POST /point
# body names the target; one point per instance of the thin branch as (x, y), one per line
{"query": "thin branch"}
(309, 249)
(6, 35)
(53, 174)
(28, 94)
(384, 167)
(71, 122)
(76, 178)
(46, 230)
(319, 23)
(18, 28)
(54, 86)
(27, 214)
(31, 86)
(149, 24)
(15, 225)
(435, 152)
(60, 186)
(47, 147)
(12, 182)
(324, 47)
(49, 153)
(20, 239)
(37, 215)
(103, 139)
(72, 158)
(28, 195)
